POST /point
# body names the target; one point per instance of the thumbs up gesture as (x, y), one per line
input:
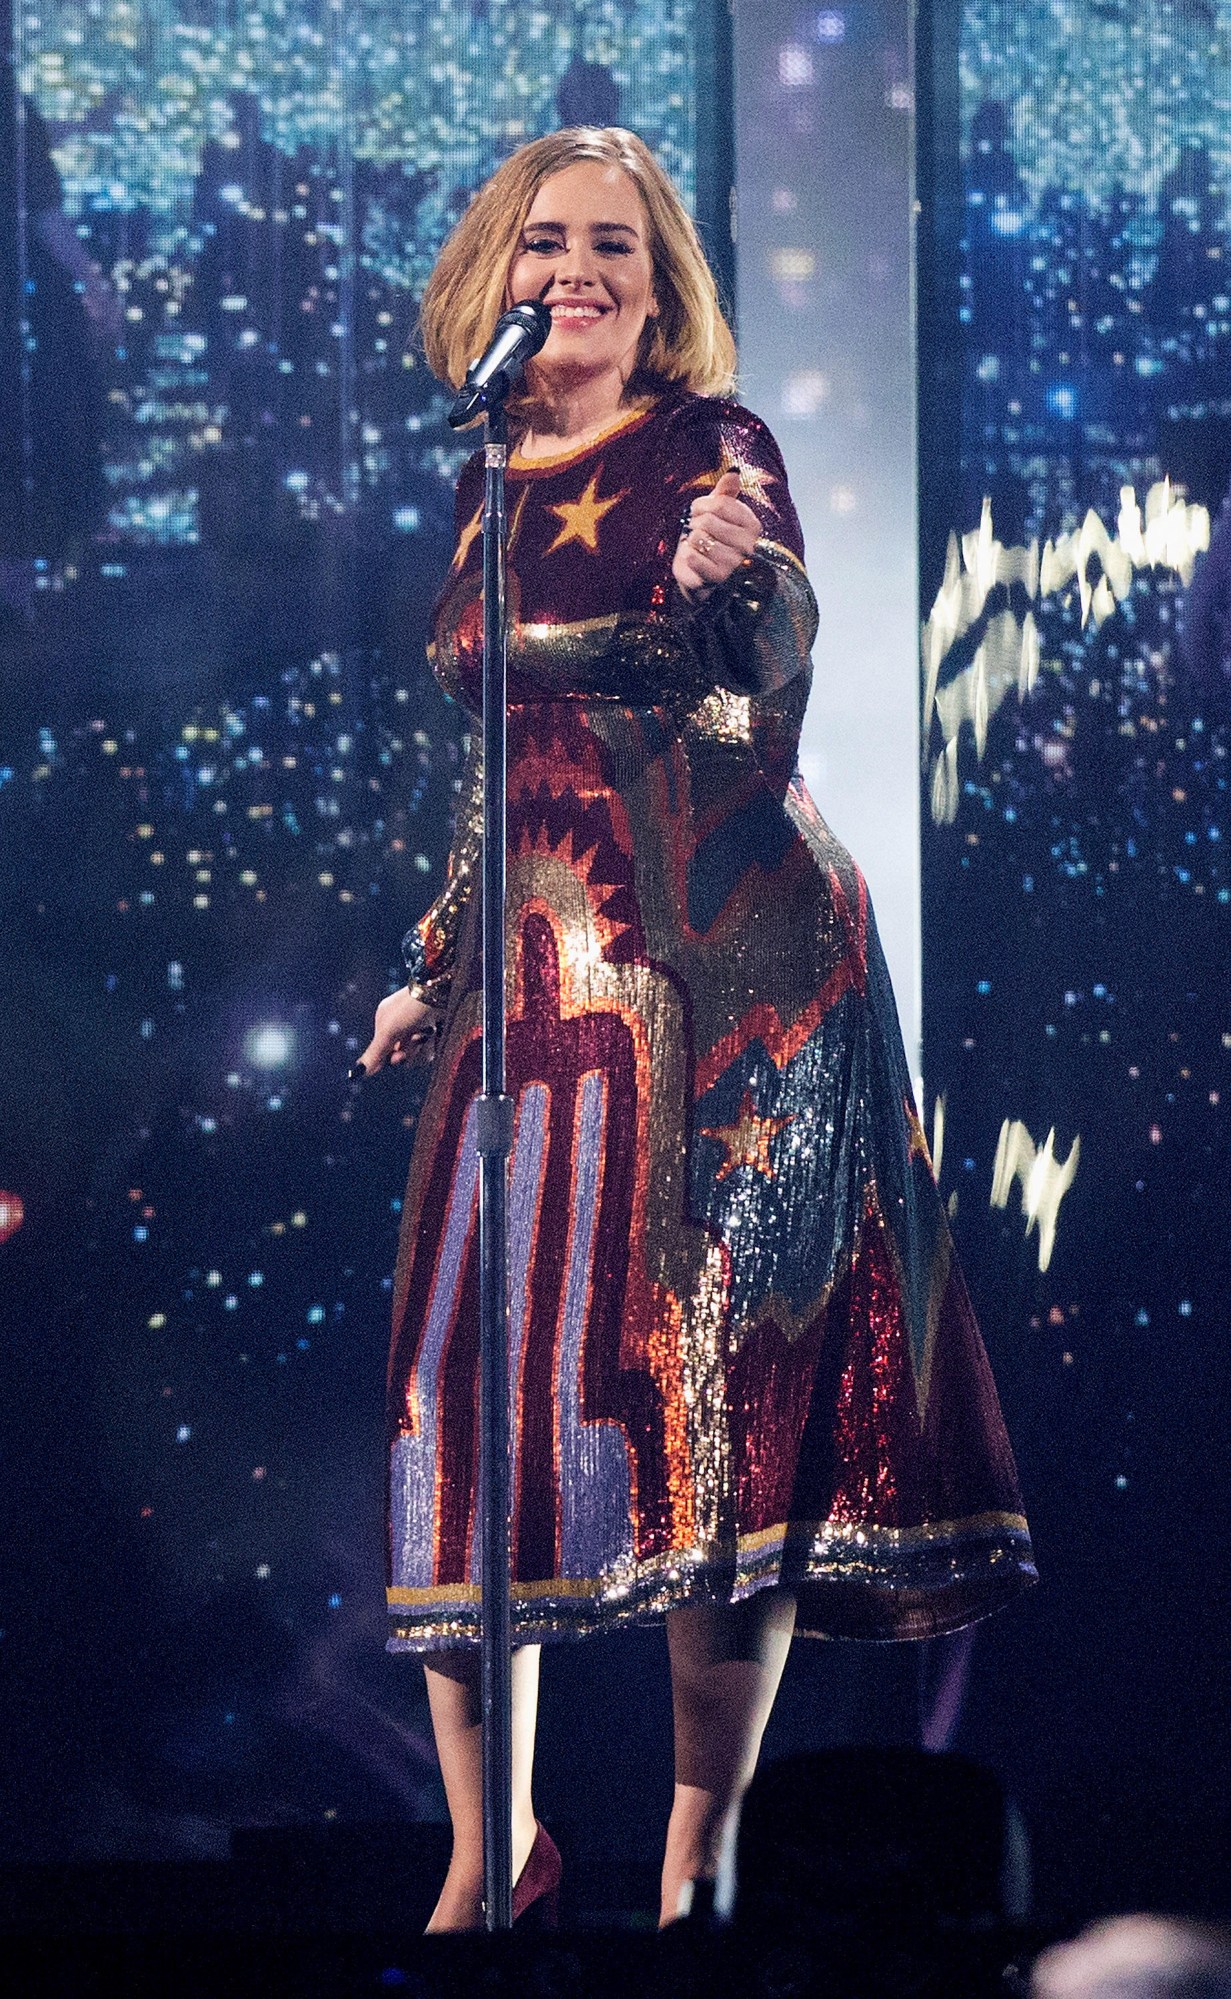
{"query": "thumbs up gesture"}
(721, 533)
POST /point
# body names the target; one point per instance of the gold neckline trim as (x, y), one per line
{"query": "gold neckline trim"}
(553, 459)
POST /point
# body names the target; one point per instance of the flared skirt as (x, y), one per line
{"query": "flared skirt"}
(742, 1353)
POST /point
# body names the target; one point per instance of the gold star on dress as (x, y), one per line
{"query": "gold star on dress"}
(582, 517)
(919, 1148)
(473, 527)
(753, 481)
(747, 1141)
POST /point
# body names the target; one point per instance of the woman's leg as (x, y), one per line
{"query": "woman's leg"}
(454, 1696)
(726, 1663)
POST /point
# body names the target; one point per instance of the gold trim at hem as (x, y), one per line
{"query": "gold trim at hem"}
(851, 1579)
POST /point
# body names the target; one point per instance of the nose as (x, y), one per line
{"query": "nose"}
(576, 266)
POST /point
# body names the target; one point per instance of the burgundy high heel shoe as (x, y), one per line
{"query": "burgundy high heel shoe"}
(536, 1892)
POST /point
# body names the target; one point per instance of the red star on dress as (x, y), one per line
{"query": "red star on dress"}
(747, 1141)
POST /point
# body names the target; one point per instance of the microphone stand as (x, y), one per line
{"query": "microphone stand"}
(494, 1128)
(519, 333)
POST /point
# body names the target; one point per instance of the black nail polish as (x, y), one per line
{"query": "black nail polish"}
(356, 1073)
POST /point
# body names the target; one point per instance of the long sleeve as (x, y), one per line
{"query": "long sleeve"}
(429, 950)
(755, 632)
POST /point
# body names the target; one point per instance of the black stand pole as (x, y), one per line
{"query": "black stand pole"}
(495, 1137)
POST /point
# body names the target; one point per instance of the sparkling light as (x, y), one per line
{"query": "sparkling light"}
(794, 66)
(270, 1046)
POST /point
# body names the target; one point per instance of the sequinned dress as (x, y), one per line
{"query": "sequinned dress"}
(741, 1350)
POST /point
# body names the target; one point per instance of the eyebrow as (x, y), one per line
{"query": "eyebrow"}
(596, 228)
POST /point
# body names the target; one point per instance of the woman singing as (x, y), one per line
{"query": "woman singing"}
(748, 1391)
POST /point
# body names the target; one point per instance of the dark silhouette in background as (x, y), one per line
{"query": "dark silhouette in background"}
(588, 94)
(864, 1839)
(55, 310)
(1203, 655)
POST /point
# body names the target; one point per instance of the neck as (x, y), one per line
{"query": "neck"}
(565, 412)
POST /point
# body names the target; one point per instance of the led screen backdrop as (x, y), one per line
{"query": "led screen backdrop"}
(225, 778)
(267, 187)
(1075, 288)
(824, 129)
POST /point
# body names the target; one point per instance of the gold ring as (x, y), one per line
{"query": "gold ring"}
(704, 543)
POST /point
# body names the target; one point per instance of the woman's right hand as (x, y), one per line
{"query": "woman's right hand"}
(405, 1028)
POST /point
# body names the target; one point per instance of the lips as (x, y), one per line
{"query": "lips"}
(575, 313)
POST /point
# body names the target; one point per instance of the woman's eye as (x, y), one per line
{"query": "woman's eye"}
(621, 249)
(541, 246)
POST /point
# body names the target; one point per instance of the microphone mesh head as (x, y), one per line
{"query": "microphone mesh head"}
(534, 314)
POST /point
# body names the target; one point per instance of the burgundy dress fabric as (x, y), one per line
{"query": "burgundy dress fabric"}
(741, 1350)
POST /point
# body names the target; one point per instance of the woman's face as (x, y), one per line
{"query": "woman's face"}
(584, 250)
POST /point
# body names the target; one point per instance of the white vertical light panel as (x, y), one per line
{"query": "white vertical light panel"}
(824, 144)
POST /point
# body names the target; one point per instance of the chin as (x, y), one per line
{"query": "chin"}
(576, 347)
(561, 370)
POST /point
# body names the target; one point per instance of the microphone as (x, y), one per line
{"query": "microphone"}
(520, 332)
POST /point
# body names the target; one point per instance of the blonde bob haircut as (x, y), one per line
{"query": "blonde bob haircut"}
(689, 343)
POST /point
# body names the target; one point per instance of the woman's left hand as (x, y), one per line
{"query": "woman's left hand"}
(405, 1028)
(722, 533)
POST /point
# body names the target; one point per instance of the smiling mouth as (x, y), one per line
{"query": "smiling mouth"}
(567, 309)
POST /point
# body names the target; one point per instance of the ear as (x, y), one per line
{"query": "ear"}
(652, 309)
